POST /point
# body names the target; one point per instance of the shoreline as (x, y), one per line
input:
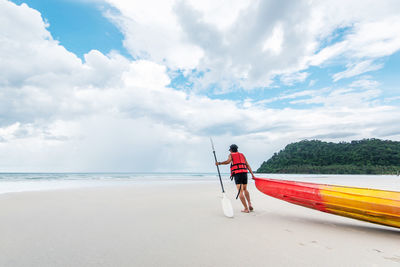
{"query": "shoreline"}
(15, 183)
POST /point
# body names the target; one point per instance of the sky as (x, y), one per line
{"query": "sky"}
(141, 86)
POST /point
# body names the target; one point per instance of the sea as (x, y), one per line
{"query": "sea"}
(22, 182)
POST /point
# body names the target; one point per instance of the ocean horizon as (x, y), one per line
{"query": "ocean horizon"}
(11, 182)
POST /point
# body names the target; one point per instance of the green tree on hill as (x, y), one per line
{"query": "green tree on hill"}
(367, 156)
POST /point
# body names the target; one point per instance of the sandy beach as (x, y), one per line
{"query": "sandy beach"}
(181, 224)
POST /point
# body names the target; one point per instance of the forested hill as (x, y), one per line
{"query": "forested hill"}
(367, 156)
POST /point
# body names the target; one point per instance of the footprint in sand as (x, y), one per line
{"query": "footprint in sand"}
(320, 246)
(395, 258)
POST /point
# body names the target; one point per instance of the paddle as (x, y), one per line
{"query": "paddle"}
(226, 203)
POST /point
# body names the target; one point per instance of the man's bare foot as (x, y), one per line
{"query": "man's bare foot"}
(245, 211)
(251, 207)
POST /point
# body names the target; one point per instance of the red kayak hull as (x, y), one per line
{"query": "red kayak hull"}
(372, 205)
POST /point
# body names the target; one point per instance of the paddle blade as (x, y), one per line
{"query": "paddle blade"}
(227, 206)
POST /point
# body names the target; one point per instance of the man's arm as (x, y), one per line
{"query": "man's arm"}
(249, 168)
(229, 160)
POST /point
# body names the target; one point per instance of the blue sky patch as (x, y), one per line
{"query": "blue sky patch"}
(79, 26)
(335, 37)
(388, 76)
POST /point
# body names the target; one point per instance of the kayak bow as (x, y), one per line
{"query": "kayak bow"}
(371, 205)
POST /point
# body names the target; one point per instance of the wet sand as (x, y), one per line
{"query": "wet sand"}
(181, 224)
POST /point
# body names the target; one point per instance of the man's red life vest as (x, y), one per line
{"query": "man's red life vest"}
(238, 164)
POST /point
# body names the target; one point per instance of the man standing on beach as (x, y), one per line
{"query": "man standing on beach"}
(239, 167)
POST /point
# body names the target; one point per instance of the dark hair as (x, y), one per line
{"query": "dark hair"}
(233, 148)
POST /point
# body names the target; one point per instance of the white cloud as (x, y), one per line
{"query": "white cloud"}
(375, 39)
(373, 35)
(365, 82)
(248, 43)
(355, 69)
(344, 98)
(226, 41)
(24, 39)
(292, 78)
(274, 43)
(390, 99)
(152, 32)
(296, 95)
(38, 76)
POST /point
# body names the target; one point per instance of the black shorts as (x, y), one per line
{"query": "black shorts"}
(240, 178)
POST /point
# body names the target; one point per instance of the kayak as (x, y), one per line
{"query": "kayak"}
(371, 205)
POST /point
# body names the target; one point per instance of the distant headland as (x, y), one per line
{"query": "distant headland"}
(367, 156)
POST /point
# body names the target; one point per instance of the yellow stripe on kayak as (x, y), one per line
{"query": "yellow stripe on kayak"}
(372, 205)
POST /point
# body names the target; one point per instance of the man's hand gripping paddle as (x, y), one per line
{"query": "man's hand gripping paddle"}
(226, 203)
